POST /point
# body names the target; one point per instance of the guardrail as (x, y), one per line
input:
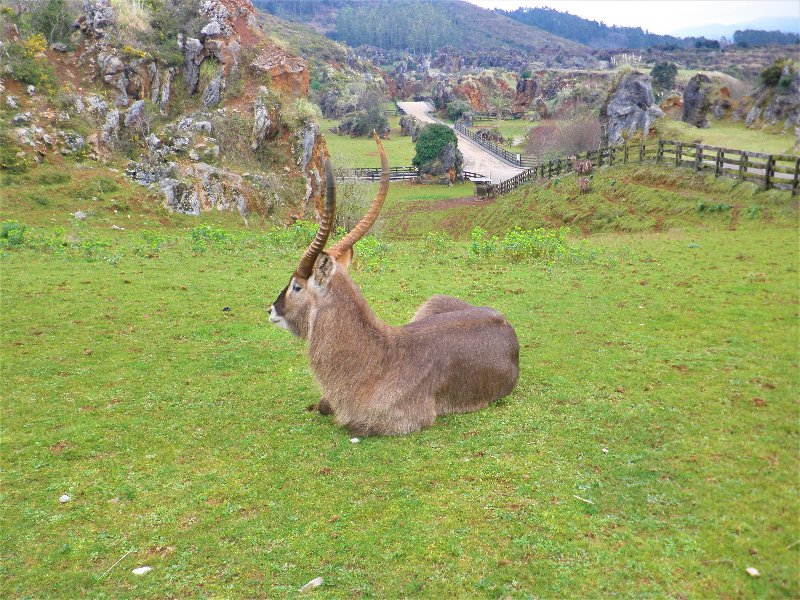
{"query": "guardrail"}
(515, 159)
(780, 171)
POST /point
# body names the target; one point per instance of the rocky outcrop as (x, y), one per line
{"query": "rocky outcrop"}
(450, 160)
(311, 155)
(525, 94)
(629, 108)
(697, 101)
(409, 125)
(263, 121)
(779, 103)
(286, 72)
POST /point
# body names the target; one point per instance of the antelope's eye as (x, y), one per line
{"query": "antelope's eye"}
(296, 288)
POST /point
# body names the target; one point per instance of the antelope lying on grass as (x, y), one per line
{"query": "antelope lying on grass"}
(382, 380)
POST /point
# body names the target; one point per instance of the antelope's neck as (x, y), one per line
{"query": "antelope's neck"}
(347, 342)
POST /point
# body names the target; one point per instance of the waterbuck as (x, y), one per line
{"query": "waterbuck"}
(382, 380)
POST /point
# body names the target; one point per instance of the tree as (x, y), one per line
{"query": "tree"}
(663, 75)
(430, 142)
(457, 108)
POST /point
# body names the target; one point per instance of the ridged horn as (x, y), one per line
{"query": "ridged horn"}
(306, 265)
(371, 215)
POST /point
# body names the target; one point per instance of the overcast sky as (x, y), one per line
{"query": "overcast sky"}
(661, 16)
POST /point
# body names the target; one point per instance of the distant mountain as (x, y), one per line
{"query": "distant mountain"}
(419, 25)
(599, 35)
(716, 31)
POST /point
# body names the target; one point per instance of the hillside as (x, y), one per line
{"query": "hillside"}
(193, 101)
(599, 35)
(420, 25)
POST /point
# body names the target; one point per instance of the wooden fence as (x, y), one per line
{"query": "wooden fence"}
(374, 174)
(767, 170)
(515, 159)
(502, 117)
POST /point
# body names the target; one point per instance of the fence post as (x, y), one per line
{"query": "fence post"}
(558, 166)
(641, 151)
(611, 155)
(625, 154)
(600, 157)
(718, 163)
(660, 151)
(742, 165)
(796, 180)
(678, 151)
(698, 157)
(767, 175)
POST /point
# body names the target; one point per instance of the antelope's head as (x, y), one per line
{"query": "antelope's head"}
(295, 306)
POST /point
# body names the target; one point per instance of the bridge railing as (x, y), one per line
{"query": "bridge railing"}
(510, 157)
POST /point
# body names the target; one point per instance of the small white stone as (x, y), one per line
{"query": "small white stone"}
(605, 450)
(355, 440)
(65, 498)
(314, 583)
(753, 572)
(141, 570)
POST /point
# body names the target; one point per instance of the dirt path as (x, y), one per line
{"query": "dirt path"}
(476, 159)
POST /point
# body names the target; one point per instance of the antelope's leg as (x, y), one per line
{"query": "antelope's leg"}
(322, 406)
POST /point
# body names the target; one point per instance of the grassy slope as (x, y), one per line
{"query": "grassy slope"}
(180, 431)
(623, 200)
(482, 29)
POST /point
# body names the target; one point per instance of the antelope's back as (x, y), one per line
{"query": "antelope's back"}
(471, 355)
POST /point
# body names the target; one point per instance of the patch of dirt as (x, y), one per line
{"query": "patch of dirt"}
(59, 447)
(735, 211)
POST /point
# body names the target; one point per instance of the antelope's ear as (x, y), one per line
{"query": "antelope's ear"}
(324, 268)
(345, 258)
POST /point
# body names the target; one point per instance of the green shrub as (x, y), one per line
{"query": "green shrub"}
(457, 108)
(9, 161)
(438, 242)
(771, 76)
(519, 244)
(24, 66)
(432, 138)
(370, 253)
(53, 19)
(706, 208)
(663, 75)
(12, 234)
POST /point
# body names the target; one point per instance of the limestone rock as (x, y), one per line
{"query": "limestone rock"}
(179, 197)
(409, 125)
(629, 107)
(525, 94)
(696, 101)
(135, 116)
(111, 127)
(262, 121)
(213, 92)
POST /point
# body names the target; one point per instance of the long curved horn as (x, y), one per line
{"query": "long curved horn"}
(369, 218)
(303, 270)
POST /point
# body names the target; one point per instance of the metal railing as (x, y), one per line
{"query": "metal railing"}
(510, 157)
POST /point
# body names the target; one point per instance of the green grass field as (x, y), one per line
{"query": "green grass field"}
(726, 134)
(513, 130)
(352, 152)
(649, 450)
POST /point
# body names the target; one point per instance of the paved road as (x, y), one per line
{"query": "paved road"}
(476, 159)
